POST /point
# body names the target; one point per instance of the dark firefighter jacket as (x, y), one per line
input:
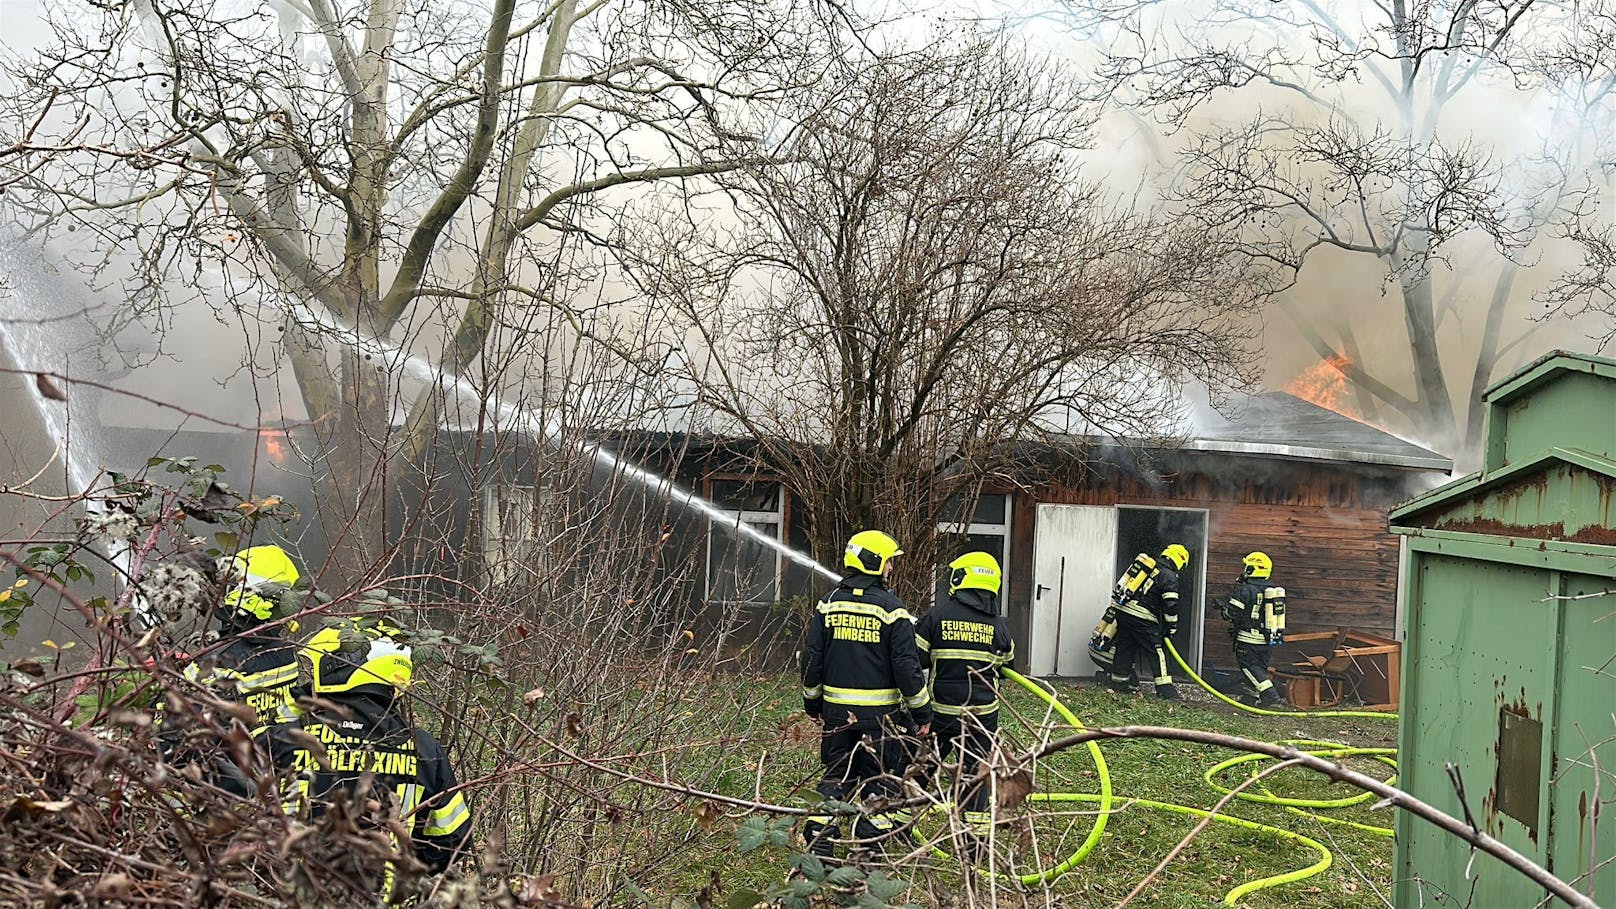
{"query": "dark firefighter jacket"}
(1245, 610)
(861, 656)
(1157, 598)
(258, 670)
(968, 643)
(408, 770)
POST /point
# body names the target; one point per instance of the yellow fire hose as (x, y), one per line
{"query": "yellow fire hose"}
(1106, 800)
(1319, 714)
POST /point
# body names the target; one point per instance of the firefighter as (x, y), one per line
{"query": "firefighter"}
(1256, 614)
(860, 668)
(968, 643)
(1146, 601)
(257, 663)
(355, 744)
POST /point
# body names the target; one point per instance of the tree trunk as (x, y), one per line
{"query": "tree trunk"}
(1419, 314)
(351, 492)
(1487, 355)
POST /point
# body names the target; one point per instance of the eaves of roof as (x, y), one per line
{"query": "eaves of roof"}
(1427, 461)
(1541, 369)
(1474, 483)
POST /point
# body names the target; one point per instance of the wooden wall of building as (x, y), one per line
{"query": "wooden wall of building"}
(1323, 523)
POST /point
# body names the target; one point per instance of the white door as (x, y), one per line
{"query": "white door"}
(1074, 547)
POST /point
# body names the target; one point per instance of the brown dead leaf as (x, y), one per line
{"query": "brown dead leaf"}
(313, 745)
(706, 814)
(29, 667)
(114, 887)
(140, 719)
(236, 710)
(238, 851)
(48, 387)
(1014, 788)
(299, 834)
(574, 724)
(533, 696)
(537, 890)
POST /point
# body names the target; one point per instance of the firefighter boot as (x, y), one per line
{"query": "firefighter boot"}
(1121, 686)
(1167, 691)
(1270, 698)
(875, 829)
(821, 836)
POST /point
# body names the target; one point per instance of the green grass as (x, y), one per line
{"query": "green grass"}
(1136, 838)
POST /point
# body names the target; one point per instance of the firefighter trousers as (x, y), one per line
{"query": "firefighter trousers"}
(862, 757)
(1138, 637)
(1253, 662)
(972, 737)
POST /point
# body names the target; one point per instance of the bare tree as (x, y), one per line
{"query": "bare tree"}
(1588, 68)
(355, 180)
(1369, 139)
(1589, 290)
(927, 280)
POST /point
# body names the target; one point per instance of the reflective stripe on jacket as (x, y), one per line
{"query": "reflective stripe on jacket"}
(257, 670)
(860, 653)
(968, 643)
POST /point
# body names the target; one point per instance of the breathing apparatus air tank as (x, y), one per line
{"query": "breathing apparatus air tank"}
(1274, 614)
(1135, 581)
(1102, 644)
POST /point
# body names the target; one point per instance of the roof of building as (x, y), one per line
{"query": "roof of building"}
(1475, 484)
(1545, 368)
(1282, 425)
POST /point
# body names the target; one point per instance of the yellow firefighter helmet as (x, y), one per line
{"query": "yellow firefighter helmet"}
(975, 571)
(366, 655)
(259, 576)
(869, 551)
(1258, 565)
(1178, 555)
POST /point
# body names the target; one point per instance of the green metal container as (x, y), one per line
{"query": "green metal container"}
(1509, 660)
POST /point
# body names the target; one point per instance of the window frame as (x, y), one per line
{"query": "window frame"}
(495, 495)
(977, 528)
(780, 517)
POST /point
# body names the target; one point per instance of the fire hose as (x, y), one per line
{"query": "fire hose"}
(1107, 801)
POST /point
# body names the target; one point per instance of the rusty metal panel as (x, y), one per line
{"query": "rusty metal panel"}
(1520, 766)
(1481, 641)
(1582, 746)
(1509, 647)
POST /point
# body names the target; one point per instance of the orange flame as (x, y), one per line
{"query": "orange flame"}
(275, 445)
(1325, 384)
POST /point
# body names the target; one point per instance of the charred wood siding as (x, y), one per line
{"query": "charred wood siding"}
(1324, 525)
